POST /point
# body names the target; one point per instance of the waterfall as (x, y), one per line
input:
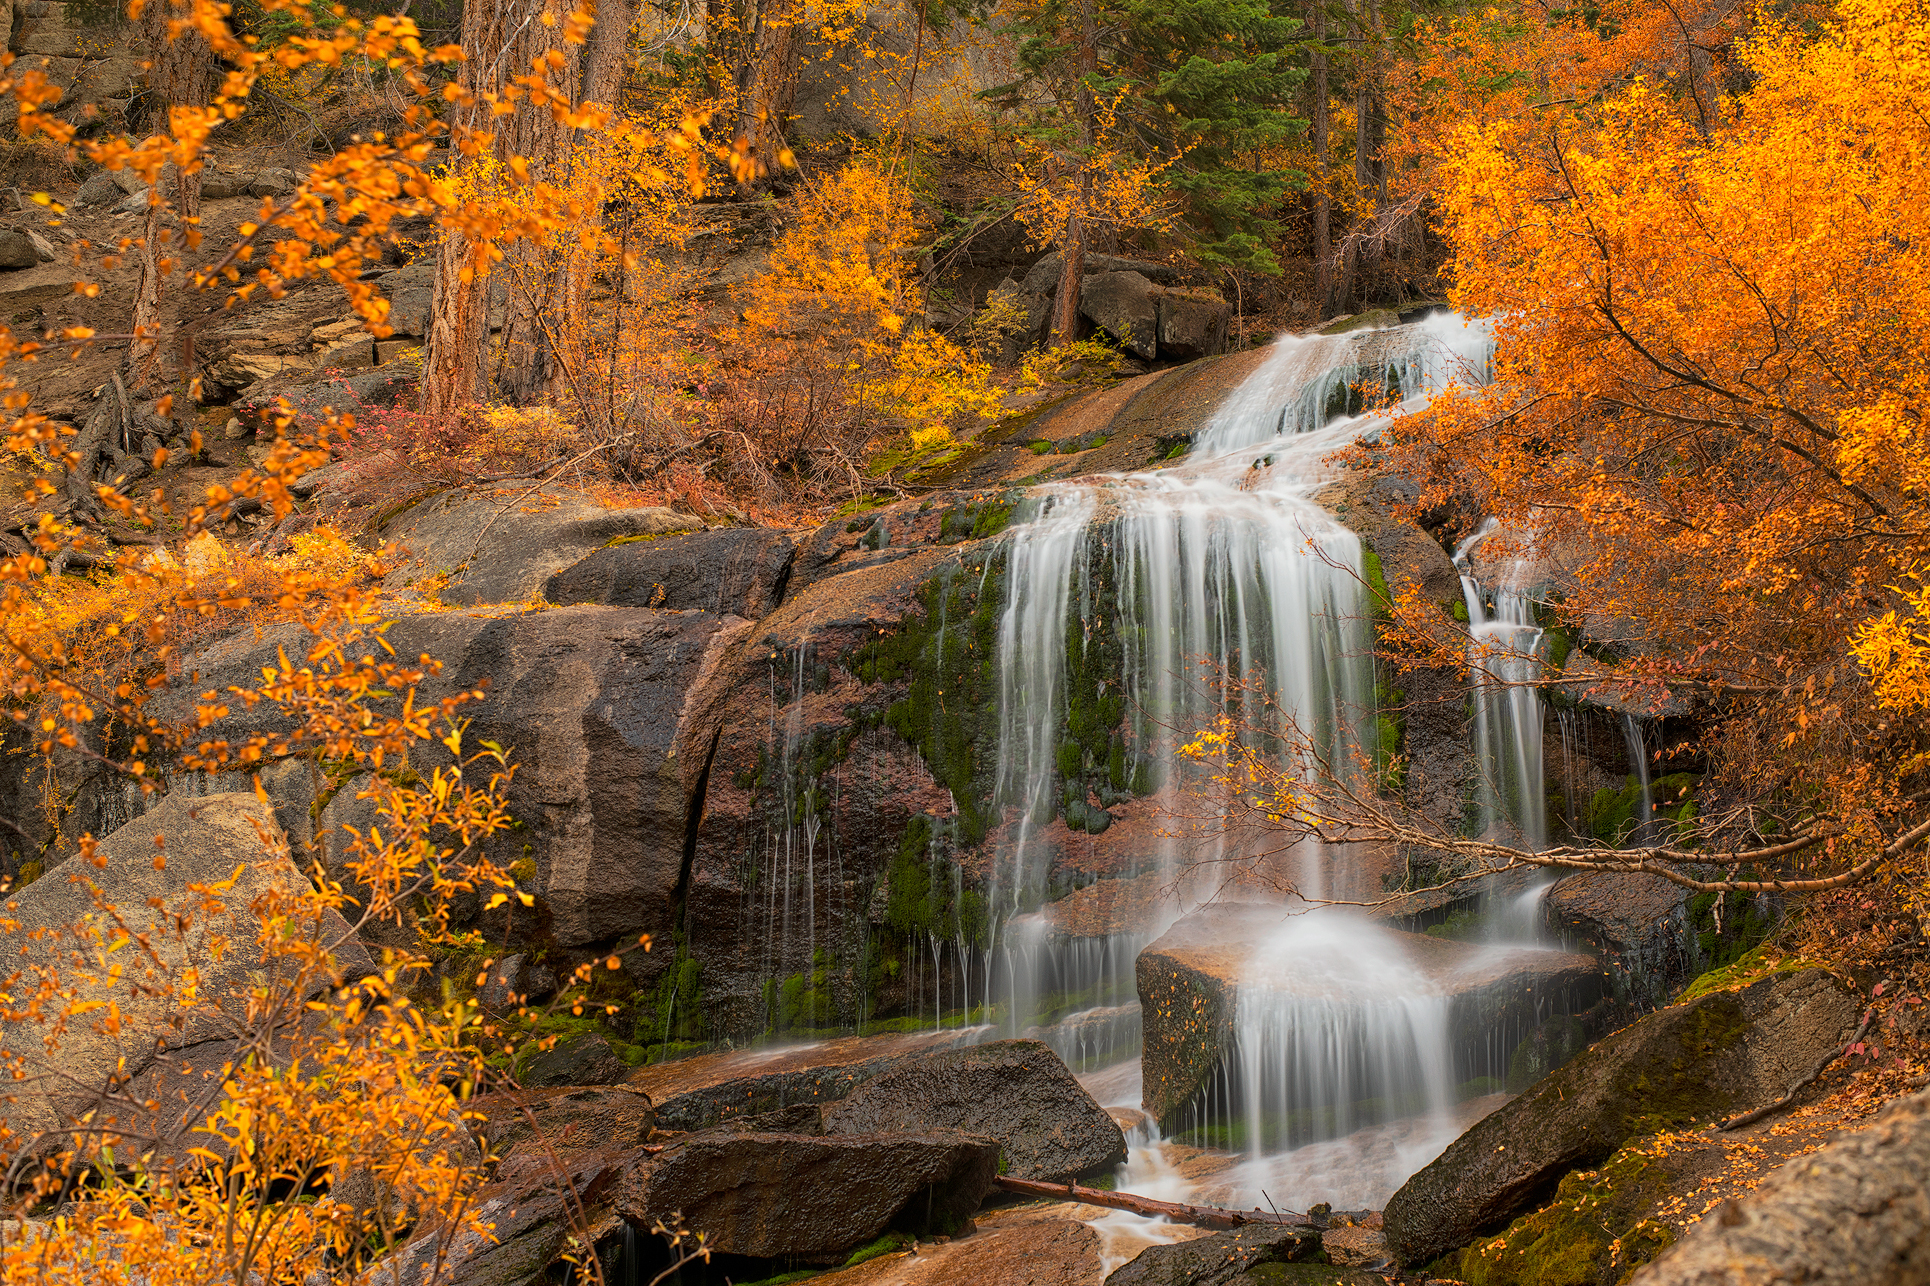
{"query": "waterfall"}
(1337, 1030)
(1638, 758)
(1135, 607)
(1504, 658)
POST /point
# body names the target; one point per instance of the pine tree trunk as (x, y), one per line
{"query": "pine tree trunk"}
(458, 326)
(1370, 139)
(533, 367)
(1072, 269)
(771, 91)
(603, 76)
(1323, 269)
(179, 71)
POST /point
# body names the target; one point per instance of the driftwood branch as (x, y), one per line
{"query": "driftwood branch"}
(1198, 1216)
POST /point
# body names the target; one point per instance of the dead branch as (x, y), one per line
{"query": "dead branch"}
(1198, 1216)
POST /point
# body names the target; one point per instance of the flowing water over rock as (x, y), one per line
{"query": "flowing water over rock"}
(1504, 656)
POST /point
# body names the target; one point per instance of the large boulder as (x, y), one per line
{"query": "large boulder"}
(16, 250)
(1636, 921)
(1192, 323)
(1226, 1257)
(610, 715)
(1855, 1213)
(1043, 277)
(813, 1198)
(160, 877)
(584, 1059)
(1016, 1091)
(530, 1216)
(1190, 982)
(736, 571)
(1126, 306)
(1722, 1054)
(565, 1120)
(502, 545)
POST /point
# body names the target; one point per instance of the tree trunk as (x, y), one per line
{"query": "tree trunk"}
(1072, 269)
(1370, 167)
(458, 326)
(1323, 269)
(533, 339)
(1198, 1216)
(771, 90)
(179, 70)
(605, 63)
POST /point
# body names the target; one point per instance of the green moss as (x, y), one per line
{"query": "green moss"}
(803, 1001)
(1463, 924)
(1764, 961)
(885, 1245)
(614, 541)
(1038, 448)
(1594, 1233)
(1458, 609)
(1383, 600)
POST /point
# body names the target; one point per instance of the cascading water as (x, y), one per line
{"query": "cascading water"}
(1638, 758)
(1163, 584)
(1338, 1030)
(1504, 657)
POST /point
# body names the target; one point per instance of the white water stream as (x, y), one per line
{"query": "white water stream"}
(1223, 565)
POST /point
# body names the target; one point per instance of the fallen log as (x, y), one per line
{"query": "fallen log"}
(1199, 1216)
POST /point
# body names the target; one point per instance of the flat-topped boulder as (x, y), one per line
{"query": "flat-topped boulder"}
(1191, 981)
(1016, 1092)
(711, 1089)
(813, 1198)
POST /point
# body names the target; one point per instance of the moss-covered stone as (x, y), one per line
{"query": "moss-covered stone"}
(1596, 1232)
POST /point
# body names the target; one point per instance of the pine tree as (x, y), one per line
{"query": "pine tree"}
(1206, 85)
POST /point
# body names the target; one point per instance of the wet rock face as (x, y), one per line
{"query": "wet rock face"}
(1015, 1091)
(1190, 979)
(1720, 1055)
(609, 715)
(1225, 1258)
(811, 1198)
(730, 571)
(1636, 920)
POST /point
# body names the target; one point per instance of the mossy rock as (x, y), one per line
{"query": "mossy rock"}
(1680, 1067)
(1596, 1232)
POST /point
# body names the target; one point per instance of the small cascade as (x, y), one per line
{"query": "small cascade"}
(1337, 1030)
(1638, 758)
(1504, 657)
(799, 876)
(1312, 382)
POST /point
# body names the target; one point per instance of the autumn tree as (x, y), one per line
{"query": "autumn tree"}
(1708, 404)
